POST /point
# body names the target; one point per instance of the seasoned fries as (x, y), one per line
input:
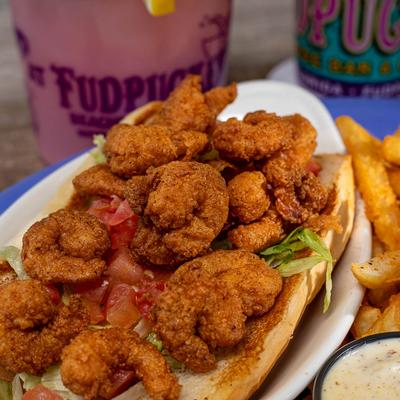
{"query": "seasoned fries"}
(373, 181)
(380, 297)
(380, 272)
(391, 149)
(365, 319)
(390, 319)
(394, 179)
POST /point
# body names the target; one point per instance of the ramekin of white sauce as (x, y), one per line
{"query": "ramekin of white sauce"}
(368, 368)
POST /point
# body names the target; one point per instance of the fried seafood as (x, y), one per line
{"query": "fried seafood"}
(207, 301)
(99, 181)
(7, 274)
(130, 150)
(185, 209)
(89, 362)
(65, 247)
(33, 329)
(258, 235)
(248, 199)
(300, 199)
(188, 108)
(253, 138)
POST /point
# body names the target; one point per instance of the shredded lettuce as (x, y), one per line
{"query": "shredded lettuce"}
(222, 244)
(13, 256)
(97, 153)
(282, 257)
(5, 390)
(50, 379)
(209, 156)
(158, 344)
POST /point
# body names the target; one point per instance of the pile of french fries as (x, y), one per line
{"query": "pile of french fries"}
(377, 171)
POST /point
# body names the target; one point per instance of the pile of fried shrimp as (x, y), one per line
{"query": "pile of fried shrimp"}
(193, 182)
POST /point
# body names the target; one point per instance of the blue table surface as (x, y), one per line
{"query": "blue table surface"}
(380, 116)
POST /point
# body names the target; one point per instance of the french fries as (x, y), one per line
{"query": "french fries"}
(380, 297)
(389, 321)
(365, 319)
(391, 149)
(373, 181)
(379, 272)
(394, 179)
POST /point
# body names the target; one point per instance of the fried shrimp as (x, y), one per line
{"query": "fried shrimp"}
(130, 150)
(255, 138)
(188, 108)
(300, 199)
(258, 235)
(89, 362)
(207, 301)
(65, 247)
(33, 329)
(99, 181)
(248, 199)
(185, 209)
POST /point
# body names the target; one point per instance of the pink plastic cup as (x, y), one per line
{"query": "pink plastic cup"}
(89, 62)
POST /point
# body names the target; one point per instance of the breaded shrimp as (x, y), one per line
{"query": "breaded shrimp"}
(258, 235)
(188, 108)
(252, 139)
(207, 301)
(186, 208)
(65, 247)
(89, 362)
(130, 150)
(248, 199)
(33, 329)
(99, 181)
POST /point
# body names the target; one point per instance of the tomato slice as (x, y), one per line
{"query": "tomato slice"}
(55, 295)
(123, 233)
(40, 392)
(121, 309)
(122, 213)
(96, 312)
(95, 291)
(147, 295)
(120, 381)
(314, 167)
(122, 268)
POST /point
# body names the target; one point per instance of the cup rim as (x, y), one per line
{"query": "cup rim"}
(339, 353)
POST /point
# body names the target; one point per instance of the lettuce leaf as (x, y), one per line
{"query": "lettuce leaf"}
(16, 388)
(97, 153)
(12, 255)
(283, 257)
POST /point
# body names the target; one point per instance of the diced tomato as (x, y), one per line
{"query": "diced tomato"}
(122, 213)
(147, 295)
(96, 312)
(40, 392)
(123, 233)
(121, 309)
(122, 268)
(54, 294)
(313, 167)
(120, 381)
(95, 291)
(102, 210)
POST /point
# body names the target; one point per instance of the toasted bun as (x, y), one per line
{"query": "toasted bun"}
(240, 372)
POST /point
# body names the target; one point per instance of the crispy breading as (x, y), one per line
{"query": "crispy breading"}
(186, 208)
(131, 150)
(89, 362)
(7, 274)
(99, 181)
(65, 247)
(258, 235)
(248, 199)
(33, 330)
(207, 301)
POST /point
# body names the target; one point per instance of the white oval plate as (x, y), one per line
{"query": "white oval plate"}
(318, 335)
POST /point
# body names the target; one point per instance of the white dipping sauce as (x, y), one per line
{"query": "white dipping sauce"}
(370, 371)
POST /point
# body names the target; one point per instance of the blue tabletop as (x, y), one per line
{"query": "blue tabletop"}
(380, 116)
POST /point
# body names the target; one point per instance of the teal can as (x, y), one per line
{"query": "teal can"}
(349, 47)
